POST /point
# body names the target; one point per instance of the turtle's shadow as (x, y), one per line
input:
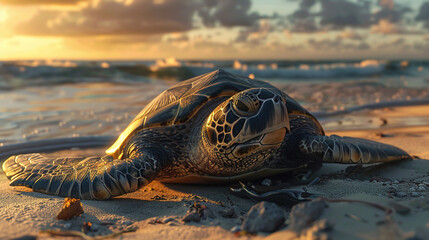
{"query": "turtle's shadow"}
(133, 209)
(405, 170)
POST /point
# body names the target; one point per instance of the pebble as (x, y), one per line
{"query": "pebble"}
(395, 181)
(304, 214)
(263, 217)
(421, 188)
(191, 217)
(72, 207)
(414, 194)
(400, 194)
(167, 220)
(267, 182)
(228, 213)
(412, 189)
(171, 224)
(67, 225)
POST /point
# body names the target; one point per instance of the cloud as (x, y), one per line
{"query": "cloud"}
(386, 3)
(178, 37)
(333, 15)
(143, 17)
(228, 13)
(398, 43)
(304, 26)
(349, 34)
(139, 17)
(41, 2)
(384, 26)
(390, 11)
(304, 9)
(338, 14)
(323, 43)
(423, 15)
(256, 32)
(336, 44)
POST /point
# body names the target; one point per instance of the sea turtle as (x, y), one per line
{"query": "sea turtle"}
(217, 127)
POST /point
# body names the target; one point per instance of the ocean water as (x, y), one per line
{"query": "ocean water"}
(51, 99)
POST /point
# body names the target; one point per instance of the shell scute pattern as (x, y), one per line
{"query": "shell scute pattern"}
(179, 104)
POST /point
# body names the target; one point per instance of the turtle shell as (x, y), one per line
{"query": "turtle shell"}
(181, 102)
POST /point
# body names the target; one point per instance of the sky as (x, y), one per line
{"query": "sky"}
(214, 29)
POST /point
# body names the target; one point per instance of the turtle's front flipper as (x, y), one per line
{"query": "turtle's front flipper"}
(338, 149)
(84, 178)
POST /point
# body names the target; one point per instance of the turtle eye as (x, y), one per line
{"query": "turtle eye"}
(240, 105)
(246, 104)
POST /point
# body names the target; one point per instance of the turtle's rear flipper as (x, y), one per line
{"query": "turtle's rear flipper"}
(336, 149)
(84, 178)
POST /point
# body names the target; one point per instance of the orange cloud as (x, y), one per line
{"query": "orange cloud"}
(385, 27)
(41, 2)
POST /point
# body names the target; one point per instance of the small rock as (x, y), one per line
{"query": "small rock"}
(196, 212)
(395, 181)
(71, 208)
(167, 220)
(171, 224)
(153, 220)
(191, 217)
(266, 182)
(228, 213)
(263, 217)
(400, 194)
(421, 188)
(304, 214)
(348, 179)
(415, 194)
(412, 189)
(207, 213)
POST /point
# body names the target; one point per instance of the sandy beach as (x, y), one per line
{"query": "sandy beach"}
(401, 187)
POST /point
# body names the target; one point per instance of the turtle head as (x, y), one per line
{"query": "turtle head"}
(247, 125)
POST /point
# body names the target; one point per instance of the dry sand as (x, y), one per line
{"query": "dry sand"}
(23, 212)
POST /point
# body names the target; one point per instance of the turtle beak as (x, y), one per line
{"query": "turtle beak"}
(272, 118)
(274, 137)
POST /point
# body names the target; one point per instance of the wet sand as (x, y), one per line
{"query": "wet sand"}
(23, 212)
